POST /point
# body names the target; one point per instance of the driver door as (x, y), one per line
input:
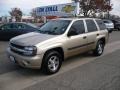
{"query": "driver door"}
(77, 39)
(4, 31)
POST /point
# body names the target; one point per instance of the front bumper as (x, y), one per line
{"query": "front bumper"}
(33, 62)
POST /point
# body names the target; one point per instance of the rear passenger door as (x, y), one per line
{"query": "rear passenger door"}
(8, 31)
(77, 43)
(92, 33)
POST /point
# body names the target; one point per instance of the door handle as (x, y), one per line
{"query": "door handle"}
(84, 37)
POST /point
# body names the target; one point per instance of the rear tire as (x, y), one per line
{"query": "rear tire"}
(99, 48)
(52, 62)
(111, 31)
(119, 28)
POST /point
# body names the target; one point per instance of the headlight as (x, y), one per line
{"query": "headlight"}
(30, 50)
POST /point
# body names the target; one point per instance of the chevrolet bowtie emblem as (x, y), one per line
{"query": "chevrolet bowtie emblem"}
(68, 8)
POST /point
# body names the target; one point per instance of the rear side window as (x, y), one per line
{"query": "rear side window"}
(79, 26)
(91, 26)
(107, 21)
(8, 26)
(101, 24)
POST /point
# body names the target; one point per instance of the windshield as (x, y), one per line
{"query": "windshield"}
(32, 25)
(55, 27)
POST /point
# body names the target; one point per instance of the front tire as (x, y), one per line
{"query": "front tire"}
(52, 62)
(118, 28)
(99, 48)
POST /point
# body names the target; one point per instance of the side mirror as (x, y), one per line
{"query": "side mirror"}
(72, 32)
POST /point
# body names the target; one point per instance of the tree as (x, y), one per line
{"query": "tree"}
(33, 14)
(90, 7)
(16, 13)
(36, 17)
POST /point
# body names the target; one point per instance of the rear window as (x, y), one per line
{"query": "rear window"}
(107, 21)
(101, 24)
(8, 26)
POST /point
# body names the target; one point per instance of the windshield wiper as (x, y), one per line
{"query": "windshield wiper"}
(43, 32)
(47, 32)
(52, 32)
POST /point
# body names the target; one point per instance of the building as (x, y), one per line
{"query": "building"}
(27, 19)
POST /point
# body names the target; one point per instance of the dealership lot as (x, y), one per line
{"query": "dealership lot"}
(83, 72)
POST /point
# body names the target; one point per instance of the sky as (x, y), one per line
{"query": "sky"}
(27, 5)
(116, 7)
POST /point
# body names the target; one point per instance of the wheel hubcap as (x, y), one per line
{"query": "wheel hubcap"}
(53, 63)
(100, 48)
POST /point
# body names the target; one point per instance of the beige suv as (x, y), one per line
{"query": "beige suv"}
(57, 40)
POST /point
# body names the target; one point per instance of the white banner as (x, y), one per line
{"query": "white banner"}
(69, 9)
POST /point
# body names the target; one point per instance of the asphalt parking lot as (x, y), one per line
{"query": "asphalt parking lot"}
(82, 72)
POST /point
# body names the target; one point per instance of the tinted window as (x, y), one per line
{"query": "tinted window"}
(91, 26)
(78, 26)
(101, 24)
(14, 26)
(11, 26)
(107, 21)
(20, 26)
(6, 27)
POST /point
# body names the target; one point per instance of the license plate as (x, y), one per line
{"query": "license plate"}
(12, 59)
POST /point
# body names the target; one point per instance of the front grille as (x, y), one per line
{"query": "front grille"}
(16, 51)
(17, 48)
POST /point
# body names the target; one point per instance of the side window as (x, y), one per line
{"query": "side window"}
(105, 21)
(20, 26)
(9, 27)
(78, 26)
(101, 24)
(91, 26)
(6, 27)
(14, 26)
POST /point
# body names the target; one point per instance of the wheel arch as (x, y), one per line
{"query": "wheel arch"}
(58, 49)
(103, 39)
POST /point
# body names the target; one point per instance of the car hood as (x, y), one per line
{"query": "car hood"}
(30, 39)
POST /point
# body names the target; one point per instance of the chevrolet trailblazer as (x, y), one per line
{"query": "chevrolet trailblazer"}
(57, 40)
